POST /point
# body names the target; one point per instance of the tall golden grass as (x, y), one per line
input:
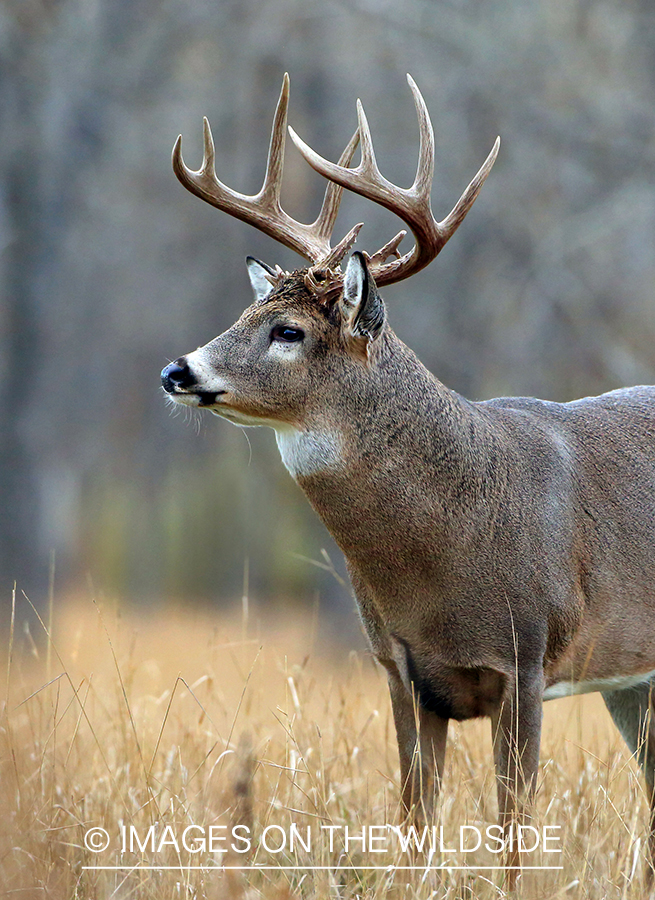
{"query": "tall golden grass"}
(170, 717)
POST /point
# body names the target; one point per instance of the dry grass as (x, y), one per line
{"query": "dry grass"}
(178, 719)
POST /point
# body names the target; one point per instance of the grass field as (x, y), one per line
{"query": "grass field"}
(169, 726)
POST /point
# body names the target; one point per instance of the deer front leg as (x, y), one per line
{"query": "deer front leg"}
(422, 747)
(516, 730)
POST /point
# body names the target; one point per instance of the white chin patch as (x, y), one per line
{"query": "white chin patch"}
(239, 418)
(309, 452)
(184, 399)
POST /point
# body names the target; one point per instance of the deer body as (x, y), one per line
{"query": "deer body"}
(501, 552)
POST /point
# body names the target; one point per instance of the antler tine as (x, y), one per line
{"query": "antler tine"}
(425, 168)
(263, 210)
(389, 249)
(365, 179)
(412, 204)
(451, 223)
(272, 185)
(368, 162)
(327, 217)
(209, 152)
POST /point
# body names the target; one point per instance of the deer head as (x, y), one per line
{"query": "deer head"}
(308, 328)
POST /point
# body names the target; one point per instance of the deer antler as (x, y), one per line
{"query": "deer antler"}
(263, 210)
(412, 205)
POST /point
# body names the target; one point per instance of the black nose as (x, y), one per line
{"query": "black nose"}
(177, 375)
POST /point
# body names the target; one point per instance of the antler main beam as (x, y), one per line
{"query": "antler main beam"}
(412, 205)
(263, 210)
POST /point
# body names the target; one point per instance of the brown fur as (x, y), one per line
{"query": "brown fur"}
(496, 549)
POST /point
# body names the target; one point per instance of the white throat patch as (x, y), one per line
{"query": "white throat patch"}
(309, 452)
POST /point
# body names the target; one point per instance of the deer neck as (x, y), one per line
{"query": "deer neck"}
(398, 448)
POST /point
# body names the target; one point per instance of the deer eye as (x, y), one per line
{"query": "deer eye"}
(286, 334)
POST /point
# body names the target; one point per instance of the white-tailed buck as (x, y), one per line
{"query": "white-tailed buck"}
(502, 553)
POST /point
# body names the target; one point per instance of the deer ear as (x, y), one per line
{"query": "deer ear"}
(258, 271)
(362, 306)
